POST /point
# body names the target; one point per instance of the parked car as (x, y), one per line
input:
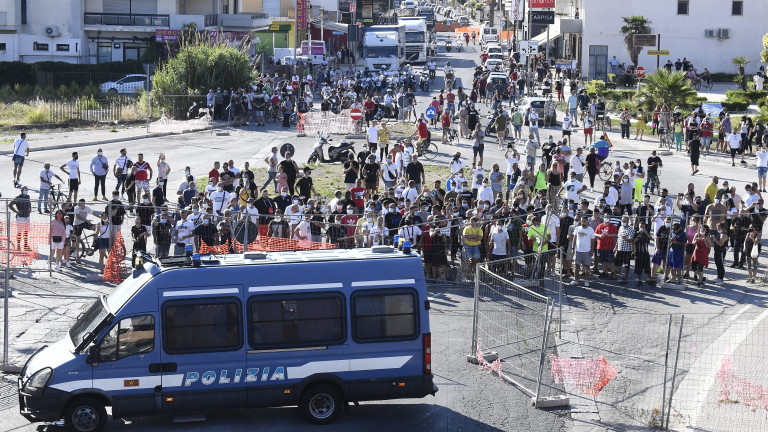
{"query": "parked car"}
(493, 48)
(536, 104)
(463, 20)
(495, 65)
(499, 79)
(129, 84)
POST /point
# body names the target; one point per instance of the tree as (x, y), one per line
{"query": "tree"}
(741, 78)
(671, 88)
(202, 64)
(634, 25)
(764, 53)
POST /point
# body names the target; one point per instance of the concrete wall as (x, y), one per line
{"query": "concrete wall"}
(682, 35)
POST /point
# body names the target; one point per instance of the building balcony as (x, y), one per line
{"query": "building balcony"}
(236, 21)
(125, 22)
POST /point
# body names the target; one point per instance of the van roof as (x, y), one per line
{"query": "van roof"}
(261, 258)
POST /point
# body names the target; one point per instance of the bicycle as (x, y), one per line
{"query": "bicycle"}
(604, 123)
(429, 150)
(699, 83)
(56, 198)
(606, 171)
(85, 247)
(453, 136)
(666, 140)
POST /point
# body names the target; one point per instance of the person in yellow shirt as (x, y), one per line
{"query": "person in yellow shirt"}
(711, 190)
(473, 236)
(540, 235)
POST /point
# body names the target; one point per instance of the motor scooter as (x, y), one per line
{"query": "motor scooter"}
(338, 153)
(448, 46)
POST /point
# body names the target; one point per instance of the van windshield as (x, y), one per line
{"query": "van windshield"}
(88, 321)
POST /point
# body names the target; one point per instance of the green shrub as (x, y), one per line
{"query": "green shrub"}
(39, 114)
(595, 87)
(736, 104)
(750, 95)
(722, 77)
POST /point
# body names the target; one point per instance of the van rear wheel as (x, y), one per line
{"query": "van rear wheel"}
(85, 414)
(321, 404)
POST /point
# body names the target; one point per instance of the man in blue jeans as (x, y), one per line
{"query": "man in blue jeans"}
(46, 175)
(573, 104)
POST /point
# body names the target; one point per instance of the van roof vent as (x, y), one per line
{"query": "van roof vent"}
(382, 249)
(254, 256)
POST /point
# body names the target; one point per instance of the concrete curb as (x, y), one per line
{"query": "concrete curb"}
(105, 141)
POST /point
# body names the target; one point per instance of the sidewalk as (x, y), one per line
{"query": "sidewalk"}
(57, 140)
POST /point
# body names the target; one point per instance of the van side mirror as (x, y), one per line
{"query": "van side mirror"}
(93, 355)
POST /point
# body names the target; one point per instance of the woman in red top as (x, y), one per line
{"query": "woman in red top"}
(702, 244)
(445, 121)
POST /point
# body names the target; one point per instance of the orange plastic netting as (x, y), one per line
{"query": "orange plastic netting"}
(267, 244)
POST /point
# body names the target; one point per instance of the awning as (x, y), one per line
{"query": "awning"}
(542, 38)
(331, 26)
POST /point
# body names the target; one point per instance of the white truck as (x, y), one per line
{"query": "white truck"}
(416, 39)
(384, 48)
(488, 33)
(316, 53)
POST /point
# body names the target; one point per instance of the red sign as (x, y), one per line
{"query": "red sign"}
(355, 114)
(542, 4)
(640, 72)
(302, 13)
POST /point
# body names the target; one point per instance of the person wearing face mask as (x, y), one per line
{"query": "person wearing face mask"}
(720, 245)
(158, 195)
(389, 173)
(266, 208)
(391, 222)
(72, 170)
(180, 235)
(625, 195)
(624, 247)
(291, 170)
(121, 169)
(676, 256)
(640, 244)
(57, 237)
(163, 169)
(161, 233)
(349, 222)
(139, 234)
(22, 206)
(205, 232)
(583, 243)
(103, 239)
(145, 211)
(116, 210)
(498, 242)
(99, 168)
(702, 242)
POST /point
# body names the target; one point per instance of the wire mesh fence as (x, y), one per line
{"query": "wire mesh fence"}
(510, 333)
(720, 378)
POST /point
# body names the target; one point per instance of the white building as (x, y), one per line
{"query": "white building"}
(708, 32)
(96, 31)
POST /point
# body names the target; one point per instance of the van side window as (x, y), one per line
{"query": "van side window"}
(297, 321)
(380, 316)
(130, 336)
(202, 325)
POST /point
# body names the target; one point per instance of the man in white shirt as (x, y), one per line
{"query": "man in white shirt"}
(584, 239)
(485, 192)
(410, 193)
(72, 169)
(478, 175)
(574, 188)
(457, 163)
(533, 125)
(99, 168)
(46, 175)
(20, 151)
(577, 165)
(183, 229)
(498, 242)
(220, 200)
(752, 197)
(567, 125)
(372, 135)
(734, 142)
(762, 166)
(121, 168)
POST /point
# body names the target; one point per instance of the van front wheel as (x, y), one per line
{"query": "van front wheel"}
(85, 415)
(321, 404)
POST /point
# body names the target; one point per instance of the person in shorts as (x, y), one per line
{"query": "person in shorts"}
(473, 236)
(624, 248)
(72, 169)
(583, 242)
(58, 237)
(606, 234)
(20, 151)
(676, 255)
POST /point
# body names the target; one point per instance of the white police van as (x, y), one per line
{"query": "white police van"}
(317, 329)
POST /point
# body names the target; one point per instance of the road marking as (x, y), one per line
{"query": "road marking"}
(736, 315)
(688, 400)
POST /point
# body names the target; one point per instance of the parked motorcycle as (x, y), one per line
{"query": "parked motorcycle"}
(338, 153)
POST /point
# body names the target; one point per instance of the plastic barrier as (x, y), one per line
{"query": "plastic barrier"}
(315, 121)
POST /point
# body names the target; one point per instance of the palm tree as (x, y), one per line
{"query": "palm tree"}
(671, 88)
(740, 63)
(634, 25)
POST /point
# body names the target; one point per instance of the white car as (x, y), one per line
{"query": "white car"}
(535, 103)
(494, 65)
(128, 84)
(463, 20)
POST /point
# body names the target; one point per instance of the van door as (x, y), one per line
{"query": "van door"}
(123, 365)
(203, 355)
